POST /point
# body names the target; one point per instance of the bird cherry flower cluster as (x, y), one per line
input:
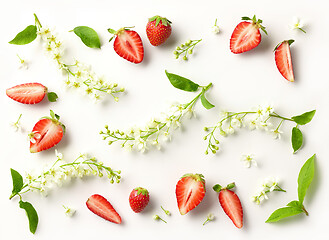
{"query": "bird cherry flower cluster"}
(59, 173)
(78, 75)
(258, 118)
(186, 48)
(270, 184)
(160, 129)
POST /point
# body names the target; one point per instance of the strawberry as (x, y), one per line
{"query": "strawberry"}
(158, 30)
(190, 191)
(28, 93)
(46, 133)
(283, 59)
(246, 35)
(103, 208)
(230, 203)
(128, 44)
(138, 199)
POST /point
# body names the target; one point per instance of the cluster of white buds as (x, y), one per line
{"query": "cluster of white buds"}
(269, 185)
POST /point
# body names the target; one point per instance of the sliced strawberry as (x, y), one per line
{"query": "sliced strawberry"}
(230, 203)
(128, 44)
(246, 35)
(283, 60)
(46, 133)
(138, 199)
(28, 93)
(103, 208)
(190, 190)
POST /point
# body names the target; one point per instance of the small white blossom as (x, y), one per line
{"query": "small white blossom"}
(16, 125)
(236, 122)
(23, 64)
(248, 160)
(268, 185)
(59, 155)
(297, 24)
(69, 211)
(215, 29)
(276, 133)
(34, 136)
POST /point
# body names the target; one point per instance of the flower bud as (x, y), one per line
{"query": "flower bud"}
(185, 58)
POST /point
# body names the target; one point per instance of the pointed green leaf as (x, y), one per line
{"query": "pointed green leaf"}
(205, 102)
(52, 97)
(217, 188)
(182, 83)
(290, 41)
(296, 139)
(305, 178)
(295, 204)
(304, 118)
(245, 18)
(26, 36)
(17, 181)
(31, 215)
(283, 213)
(88, 36)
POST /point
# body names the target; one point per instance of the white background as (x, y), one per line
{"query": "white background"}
(239, 83)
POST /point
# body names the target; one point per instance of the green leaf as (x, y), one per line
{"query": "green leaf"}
(305, 178)
(26, 36)
(290, 41)
(31, 215)
(217, 188)
(245, 18)
(205, 102)
(296, 139)
(52, 114)
(295, 204)
(88, 36)
(182, 83)
(283, 213)
(52, 97)
(304, 118)
(17, 181)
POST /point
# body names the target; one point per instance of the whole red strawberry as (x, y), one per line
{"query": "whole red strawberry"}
(138, 199)
(230, 203)
(158, 30)
(46, 133)
(246, 35)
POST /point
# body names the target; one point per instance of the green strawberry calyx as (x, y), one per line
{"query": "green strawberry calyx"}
(257, 22)
(141, 190)
(157, 20)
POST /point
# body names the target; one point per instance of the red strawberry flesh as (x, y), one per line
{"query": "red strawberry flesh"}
(129, 46)
(231, 205)
(103, 208)
(28, 93)
(245, 37)
(283, 61)
(190, 190)
(51, 134)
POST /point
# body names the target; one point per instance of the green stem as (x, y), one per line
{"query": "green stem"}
(37, 22)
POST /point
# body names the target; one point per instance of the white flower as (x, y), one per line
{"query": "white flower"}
(23, 64)
(45, 33)
(248, 160)
(215, 29)
(252, 124)
(211, 216)
(190, 113)
(230, 130)
(276, 133)
(140, 144)
(69, 211)
(157, 144)
(297, 24)
(236, 122)
(262, 125)
(58, 155)
(34, 136)
(270, 183)
(16, 125)
(223, 114)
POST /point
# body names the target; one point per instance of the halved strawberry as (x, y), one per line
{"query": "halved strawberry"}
(30, 93)
(46, 133)
(103, 208)
(246, 35)
(128, 44)
(190, 190)
(230, 203)
(283, 59)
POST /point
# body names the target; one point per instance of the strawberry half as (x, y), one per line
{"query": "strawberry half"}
(158, 30)
(283, 59)
(128, 44)
(103, 208)
(230, 203)
(246, 35)
(46, 133)
(138, 199)
(190, 190)
(28, 93)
